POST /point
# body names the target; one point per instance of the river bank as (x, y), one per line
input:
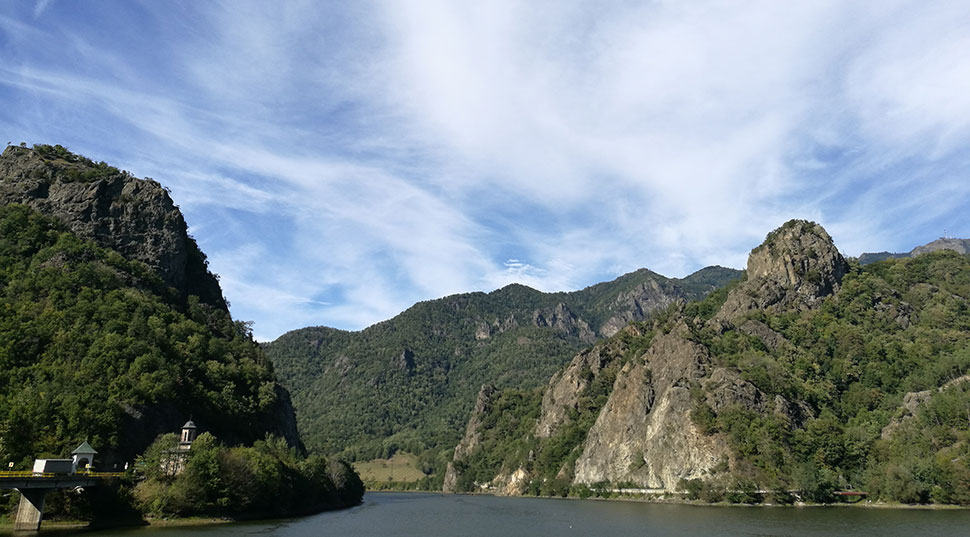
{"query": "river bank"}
(68, 526)
(432, 514)
(672, 500)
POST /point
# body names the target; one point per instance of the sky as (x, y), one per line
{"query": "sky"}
(340, 161)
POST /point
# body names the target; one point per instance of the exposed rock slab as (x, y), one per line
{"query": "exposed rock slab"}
(644, 434)
(796, 267)
(562, 395)
(638, 303)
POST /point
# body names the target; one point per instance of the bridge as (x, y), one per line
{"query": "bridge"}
(34, 486)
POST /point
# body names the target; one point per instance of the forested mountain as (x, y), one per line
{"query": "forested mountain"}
(102, 337)
(808, 376)
(410, 382)
(92, 346)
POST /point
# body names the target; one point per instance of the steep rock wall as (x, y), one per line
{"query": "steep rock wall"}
(135, 217)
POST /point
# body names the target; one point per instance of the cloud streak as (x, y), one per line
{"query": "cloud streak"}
(340, 163)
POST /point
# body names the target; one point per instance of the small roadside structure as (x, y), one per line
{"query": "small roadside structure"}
(48, 475)
(83, 457)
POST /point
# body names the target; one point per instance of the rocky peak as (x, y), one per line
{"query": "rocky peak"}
(135, 217)
(795, 267)
(961, 246)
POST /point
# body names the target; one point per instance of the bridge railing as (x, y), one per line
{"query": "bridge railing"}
(101, 474)
(52, 475)
(26, 474)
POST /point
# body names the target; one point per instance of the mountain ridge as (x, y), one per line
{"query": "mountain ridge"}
(437, 353)
(961, 246)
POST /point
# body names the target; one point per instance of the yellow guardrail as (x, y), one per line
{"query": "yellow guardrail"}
(101, 474)
(51, 475)
(23, 474)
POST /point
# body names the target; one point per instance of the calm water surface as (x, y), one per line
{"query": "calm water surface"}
(404, 514)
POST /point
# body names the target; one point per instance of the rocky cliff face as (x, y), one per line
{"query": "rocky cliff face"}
(796, 267)
(562, 395)
(645, 433)
(636, 304)
(470, 440)
(561, 319)
(138, 219)
(135, 217)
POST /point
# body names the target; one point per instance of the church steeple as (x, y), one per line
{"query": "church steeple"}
(188, 435)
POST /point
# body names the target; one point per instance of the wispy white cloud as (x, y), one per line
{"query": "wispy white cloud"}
(41, 6)
(340, 162)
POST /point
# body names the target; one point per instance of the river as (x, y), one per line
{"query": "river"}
(423, 515)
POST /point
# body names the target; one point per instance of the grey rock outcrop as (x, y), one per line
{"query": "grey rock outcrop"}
(561, 319)
(471, 439)
(644, 434)
(636, 304)
(562, 395)
(795, 268)
(912, 402)
(135, 217)
(769, 338)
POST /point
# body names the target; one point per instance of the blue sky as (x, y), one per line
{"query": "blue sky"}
(339, 161)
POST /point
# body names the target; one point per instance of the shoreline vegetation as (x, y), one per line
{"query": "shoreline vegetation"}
(682, 501)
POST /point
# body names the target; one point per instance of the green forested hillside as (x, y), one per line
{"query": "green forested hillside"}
(95, 347)
(895, 328)
(410, 382)
(92, 346)
(877, 375)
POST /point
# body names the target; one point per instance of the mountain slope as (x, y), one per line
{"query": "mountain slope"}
(113, 345)
(807, 376)
(410, 381)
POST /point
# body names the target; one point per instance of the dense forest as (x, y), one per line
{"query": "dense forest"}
(90, 344)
